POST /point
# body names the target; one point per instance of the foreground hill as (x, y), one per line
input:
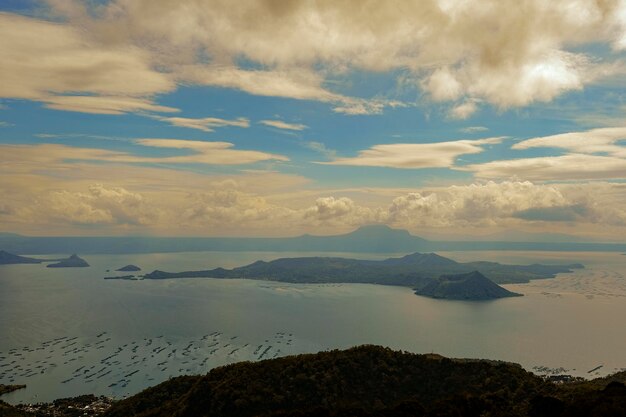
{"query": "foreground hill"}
(368, 381)
(414, 270)
(470, 286)
(361, 381)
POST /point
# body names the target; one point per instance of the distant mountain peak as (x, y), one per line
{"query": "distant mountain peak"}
(382, 231)
(380, 228)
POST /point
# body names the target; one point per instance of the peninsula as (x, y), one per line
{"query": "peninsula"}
(7, 258)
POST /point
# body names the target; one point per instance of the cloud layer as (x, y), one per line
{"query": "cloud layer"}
(416, 155)
(127, 52)
(590, 155)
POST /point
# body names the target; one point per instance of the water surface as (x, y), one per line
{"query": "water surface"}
(67, 331)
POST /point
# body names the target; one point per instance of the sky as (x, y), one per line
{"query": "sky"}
(447, 118)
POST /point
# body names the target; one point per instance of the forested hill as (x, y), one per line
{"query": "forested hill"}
(412, 270)
(373, 381)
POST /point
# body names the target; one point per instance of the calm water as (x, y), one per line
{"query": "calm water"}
(67, 331)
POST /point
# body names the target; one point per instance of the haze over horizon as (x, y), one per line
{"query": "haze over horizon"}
(266, 118)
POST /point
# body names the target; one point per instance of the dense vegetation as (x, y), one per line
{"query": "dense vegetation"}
(362, 381)
(413, 270)
(369, 381)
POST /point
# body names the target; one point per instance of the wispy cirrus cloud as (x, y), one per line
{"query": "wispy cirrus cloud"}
(416, 155)
(474, 129)
(206, 124)
(279, 124)
(68, 69)
(590, 142)
(589, 155)
(553, 168)
(213, 153)
(198, 152)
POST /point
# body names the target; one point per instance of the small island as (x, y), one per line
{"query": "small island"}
(125, 277)
(7, 258)
(471, 286)
(129, 268)
(73, 261)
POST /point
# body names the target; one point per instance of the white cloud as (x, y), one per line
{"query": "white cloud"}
(525, 52)
(104, 104)
(442, 85)
(206, 124)
(473, 129)
(509, 203)
(300, 85)
(595, 141)
(279, 124)
(416, 155)
(68, 69)
(111, 51)
(295, 83)
(464, 110)
(343, 211)
(99, 205)
(553, 168)
(25, 157)
(321, 148)
(214, 153)
(593, 154)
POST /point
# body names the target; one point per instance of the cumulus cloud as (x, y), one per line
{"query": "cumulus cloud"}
(343, 211)
(416, 155)
(99, 205)
(279, 124)
(442, 85)
(508, 203)
(464, 110)
(228, 206)
(206, 124)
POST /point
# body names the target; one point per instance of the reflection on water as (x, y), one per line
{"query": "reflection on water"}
(67, 331)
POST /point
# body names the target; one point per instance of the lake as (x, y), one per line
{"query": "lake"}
(65, 332)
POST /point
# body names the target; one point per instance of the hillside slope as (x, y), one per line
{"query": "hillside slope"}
(368, 381)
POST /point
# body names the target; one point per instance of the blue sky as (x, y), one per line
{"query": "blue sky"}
(208, 118)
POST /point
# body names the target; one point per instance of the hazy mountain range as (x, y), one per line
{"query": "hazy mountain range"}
(368, 239)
